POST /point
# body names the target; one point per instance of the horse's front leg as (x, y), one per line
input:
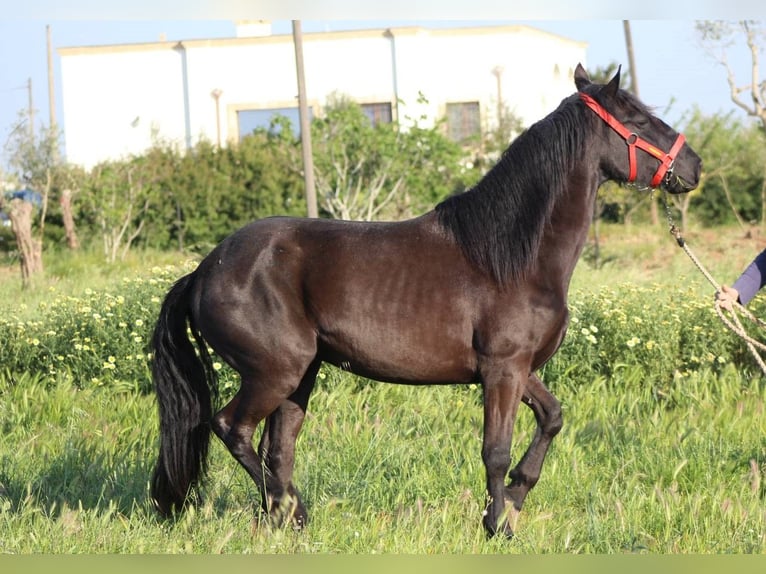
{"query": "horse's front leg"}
(547, 411)
(502, 394)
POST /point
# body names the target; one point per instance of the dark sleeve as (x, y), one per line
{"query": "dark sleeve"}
(752, 279)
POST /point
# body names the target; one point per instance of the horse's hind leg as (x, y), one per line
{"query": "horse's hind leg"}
(236, 423)
(277, 450)
(547, 411)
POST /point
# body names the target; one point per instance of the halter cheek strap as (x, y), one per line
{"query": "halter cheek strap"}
(635, 141)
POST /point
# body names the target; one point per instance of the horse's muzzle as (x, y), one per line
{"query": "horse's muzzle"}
(675, 183)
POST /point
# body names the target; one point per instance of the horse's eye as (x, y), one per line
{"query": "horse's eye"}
(640, 122)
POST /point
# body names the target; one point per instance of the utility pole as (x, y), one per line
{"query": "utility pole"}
(308, 161)
(653, 209)
(31, 111)
(51, 90)
(631, 59)
(216, 94)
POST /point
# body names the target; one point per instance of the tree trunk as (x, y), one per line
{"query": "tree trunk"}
(69, 226)
(30, 249)
(763, 199)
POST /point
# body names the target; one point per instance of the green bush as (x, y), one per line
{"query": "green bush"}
(662, 337)
(99, 338)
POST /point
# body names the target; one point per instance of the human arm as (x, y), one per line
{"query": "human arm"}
(747, 285)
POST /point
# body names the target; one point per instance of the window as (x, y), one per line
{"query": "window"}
(379, 113)
(463, 121)
(250, 120)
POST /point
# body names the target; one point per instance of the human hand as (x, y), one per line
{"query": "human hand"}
(727, 296)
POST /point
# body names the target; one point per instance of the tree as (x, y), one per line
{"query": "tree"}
(354, 162)
(369, 171)
(21, 212)
(117, 198)
(719, 38)
(733, 180)
(70, 179)
(34, 159)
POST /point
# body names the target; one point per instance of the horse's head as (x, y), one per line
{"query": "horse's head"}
(638, 147)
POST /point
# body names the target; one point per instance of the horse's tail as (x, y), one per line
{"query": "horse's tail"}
(186, 387)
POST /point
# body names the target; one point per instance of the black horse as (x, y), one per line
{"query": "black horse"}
(473, 291)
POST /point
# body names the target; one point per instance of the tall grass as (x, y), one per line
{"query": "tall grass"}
(662, 448)
(397, 469)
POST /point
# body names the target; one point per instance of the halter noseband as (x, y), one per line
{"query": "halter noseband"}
(634, 141)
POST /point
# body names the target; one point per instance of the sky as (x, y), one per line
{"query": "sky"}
(674, 73)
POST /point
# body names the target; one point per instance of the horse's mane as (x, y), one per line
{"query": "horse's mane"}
(499, 223)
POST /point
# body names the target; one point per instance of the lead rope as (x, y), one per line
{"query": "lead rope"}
(734, 324)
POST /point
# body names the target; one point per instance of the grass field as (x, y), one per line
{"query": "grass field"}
(653, 458)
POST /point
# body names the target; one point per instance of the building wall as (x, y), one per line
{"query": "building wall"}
(118, 99)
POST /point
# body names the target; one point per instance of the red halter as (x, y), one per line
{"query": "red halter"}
(634, 141)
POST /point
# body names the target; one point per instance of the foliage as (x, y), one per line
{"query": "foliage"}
(35, 161)
(208, 192)
(719, 37)
(98, 338)
(371, 171)
(168, 199)
(734, 175)
(610, 331)
(117, 199)
(33, 156)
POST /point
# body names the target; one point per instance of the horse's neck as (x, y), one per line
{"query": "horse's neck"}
(564, 238)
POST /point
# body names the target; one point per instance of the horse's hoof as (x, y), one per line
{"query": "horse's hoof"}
(494, 529)
(289, 512)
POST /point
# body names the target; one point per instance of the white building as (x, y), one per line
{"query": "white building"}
(117, 99)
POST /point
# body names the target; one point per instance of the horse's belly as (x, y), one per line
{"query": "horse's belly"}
(402, 359)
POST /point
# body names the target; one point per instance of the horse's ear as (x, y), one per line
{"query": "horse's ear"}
(581, 77)
(614, 84)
